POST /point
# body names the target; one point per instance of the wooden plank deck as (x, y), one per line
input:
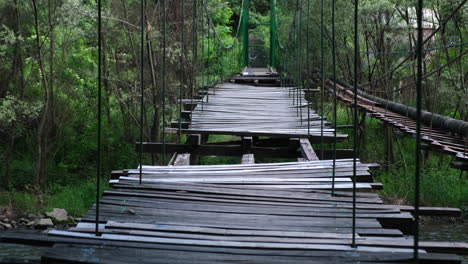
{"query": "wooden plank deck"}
(246, 110)
(249, 212)
(236, 213)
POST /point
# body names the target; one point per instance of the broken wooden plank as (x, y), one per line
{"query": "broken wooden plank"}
(307, 150)
(182, 159)
(248, 159)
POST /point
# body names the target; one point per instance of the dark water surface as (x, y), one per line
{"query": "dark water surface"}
(443, 230)
(17, 251)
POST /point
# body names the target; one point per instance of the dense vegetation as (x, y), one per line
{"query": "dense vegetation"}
(48, 84)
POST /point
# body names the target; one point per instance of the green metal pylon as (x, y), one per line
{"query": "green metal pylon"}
(245, 33)
(273, 33)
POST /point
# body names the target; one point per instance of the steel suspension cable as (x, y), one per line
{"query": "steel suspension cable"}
(355, 116)
(142, 85)
(419, 55)
(99, 112)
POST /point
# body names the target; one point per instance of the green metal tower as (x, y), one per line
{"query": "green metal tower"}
(273, 33)
(245, 33)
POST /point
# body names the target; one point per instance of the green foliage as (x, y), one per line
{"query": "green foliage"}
(13, 110)
(440, 185)
(74, 198)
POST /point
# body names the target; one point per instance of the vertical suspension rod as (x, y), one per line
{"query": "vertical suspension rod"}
(308, 66)
(194, 55)
(419, 56)
(203, 54)
(164, 79)
(335, 102)
(142, 85)
(181, 86)
(299, 61)
(355, 118)
(99, 111)
(322, 64)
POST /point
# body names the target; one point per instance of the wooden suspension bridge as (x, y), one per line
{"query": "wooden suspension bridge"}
(249, 212)
(321, 207)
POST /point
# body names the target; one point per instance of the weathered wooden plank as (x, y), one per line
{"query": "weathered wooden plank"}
(307, 150)
(182, 159)
(433, 211)
(248, 159)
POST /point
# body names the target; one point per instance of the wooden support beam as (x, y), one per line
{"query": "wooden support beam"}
(183, 124)
(248, 159)
(314, 137)
(294, 143)
(173, 157)
(433, 211)
(187, 115)
(376, 186)
(235, 148)
(306, 149)
(460, 165)
(219, 150)
(190, 105)
(247, 143)
(193, 140)
(182, 159)
(115, 174)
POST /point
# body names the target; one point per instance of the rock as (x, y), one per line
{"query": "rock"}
(32, 216)
(44, 223)
(6, 225)
(59, 215)
(72, 220)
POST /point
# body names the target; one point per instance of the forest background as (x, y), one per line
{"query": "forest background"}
(48, 86)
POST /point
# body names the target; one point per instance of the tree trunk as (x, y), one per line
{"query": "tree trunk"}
(46, 124)
(389, 153)
(5, 184)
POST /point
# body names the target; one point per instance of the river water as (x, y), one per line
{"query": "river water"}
(431, 230)
(443, 230)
